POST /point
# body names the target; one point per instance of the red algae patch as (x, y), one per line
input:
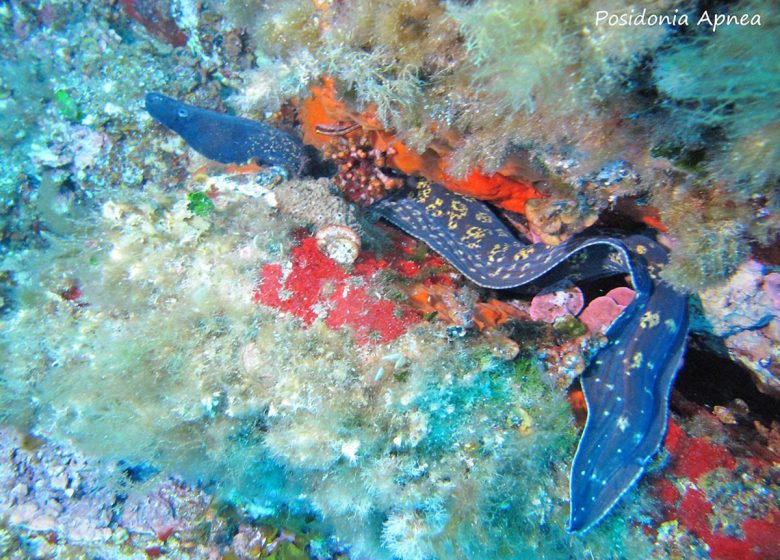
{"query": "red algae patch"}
(318, 288)
(735, 523)
(693, 457)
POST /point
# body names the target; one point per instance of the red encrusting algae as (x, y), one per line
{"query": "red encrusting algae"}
(157, 19)
(692, 456)
(317, 287)
(683, 490)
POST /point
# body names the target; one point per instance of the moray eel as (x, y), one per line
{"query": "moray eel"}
(628, 382)
(225, 138)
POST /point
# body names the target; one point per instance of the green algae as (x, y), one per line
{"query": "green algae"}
(689, 158)
(200, 204)
(722, 93)
(568, 327)
(67, 106)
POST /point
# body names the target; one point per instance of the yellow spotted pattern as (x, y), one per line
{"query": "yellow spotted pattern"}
(649, 320)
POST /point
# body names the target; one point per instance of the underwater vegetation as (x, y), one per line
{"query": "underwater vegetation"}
(393, 445)
(258, 334)
(719, 85)
(682, 118)
(724, 81)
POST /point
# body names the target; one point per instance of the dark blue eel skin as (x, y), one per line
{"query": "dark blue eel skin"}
(627, 383)
(225, 138)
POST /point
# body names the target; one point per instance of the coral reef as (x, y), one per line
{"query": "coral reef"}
(226, 362)
(538, 98)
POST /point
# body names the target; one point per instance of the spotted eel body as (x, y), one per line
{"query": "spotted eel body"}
(627, 384)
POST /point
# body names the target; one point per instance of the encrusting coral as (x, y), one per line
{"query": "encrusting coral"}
(359, 172)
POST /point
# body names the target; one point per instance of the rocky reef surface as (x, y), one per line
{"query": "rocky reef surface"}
(210, 361)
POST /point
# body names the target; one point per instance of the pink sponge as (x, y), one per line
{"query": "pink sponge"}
(547, 307)
(600, 312)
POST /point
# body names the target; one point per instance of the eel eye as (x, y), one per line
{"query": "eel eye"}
(183, 113)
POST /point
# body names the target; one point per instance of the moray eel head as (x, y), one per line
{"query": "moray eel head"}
(227, 138)
(167, 111)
